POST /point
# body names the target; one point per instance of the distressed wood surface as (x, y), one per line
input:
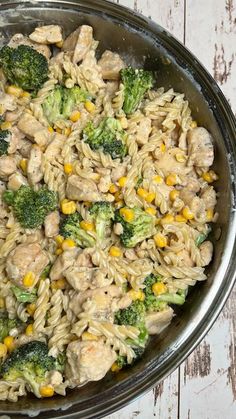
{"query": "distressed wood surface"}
(204, 387)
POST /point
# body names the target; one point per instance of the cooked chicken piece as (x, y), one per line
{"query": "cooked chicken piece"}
(143, 131)
(54, 378)
(82, 189)
(7, 166)
(158, 321)
(26, 258)
(49, 34)
(209, 197)
(104, 184)
(79, 278)
(20, 39)
(79, 42)
(206, 251)
(84, 258)
(7, 102)
(32, 128)
(15, 138)
(111, 64)
(25, 147)
(13, 116)
(88, 361)
(200, 147)
(118, 172)
(51, 224)
(197, 206)
(34, 165)
(55, 146)
(92, 72)
(63, 262)
(16, 180)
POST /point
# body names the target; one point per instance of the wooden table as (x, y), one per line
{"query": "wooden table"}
(204, 387)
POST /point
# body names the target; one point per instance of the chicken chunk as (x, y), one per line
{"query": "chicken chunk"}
(20, 39)
(32, 128)
(51, 224)
(64, 261)
(88, 361)
(7, 166)
(55, 146)
(156, 322)
(26, 258)
(7, 102)
(16, 180)
(209, 197)
(49, 34)
(200, 147)
(206, 251)
(111, 64)
(82, 189)
(79, 278)
(79, 42)
(34, 165)
(143, 131)
(16, 136)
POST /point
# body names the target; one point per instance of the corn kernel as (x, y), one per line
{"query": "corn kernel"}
(180, 157)
(50, 129)
(151, 211)
(68, 168)
(30, 308)
(58, 130)
(150, 197)
(193, 124)
(9, 342)
(136, 295)
(88, 336)
(28, 280)
(115, 252)
(210, 176)
(113, 188)
(3, 350)
(5, 125)
(67, 244)
(89, 106)
(187, 213)
(127, 214)
(160, 240)
(58, 252)
(14, 90)
(122, 181)
(2, 302)
(172, 179)
(159, 288)
(118, 196)
(46, 391)
(29, 330)
(163, 147)
(87, 225)
(115, 367)
(60, 284)
(59, 44)
(142, 193)
(158, 179)
(209, 215)
(75, 116)
(59, 240)
(167, 219)
(68, 207)
(124, 122)
(23, 165)
(67, 131)
(25, 94)
(180, 218)
(174, 194)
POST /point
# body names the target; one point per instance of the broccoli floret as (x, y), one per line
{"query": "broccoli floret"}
(60, 362)
(132, 315)
(31, 207)
(136, 82)
(24, 296)
(30, 362)
(102, 213)
(61, 102)
(24, 66)
(70, 228)
(158, 303)
(137, 230)
(46, 271)
(108, 137)
(5, 137)
(6, 325)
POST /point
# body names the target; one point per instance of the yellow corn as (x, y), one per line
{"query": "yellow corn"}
(50, 129)
(151, 211)
(172, 179)
(29, 330)
(88, 336)
(68, 168)
(122, 181)
(87, 225)
(58, 130)
(150, 197)
(159, 288)
(14, 90)
(163, 147)
(5, 125)
(115, 367)
(136, 295)
(89, 106)
(118, 196)
(59, 44)
(180, 157)
(193, 124)
(67, 131)
(25, 94)
(68, 207)
(124, 122)
(127, 214)
(2, 302)
(115, 252)
(67, 244)
(28, 280)
(46, 391)
(174, 194)
(60, 284)
(180, 218)
(160, 240)
(167, 219)
(158, 179)
(209, 215)
(9, 342)
(23, 165)
(187, 213)
(210, 176)
(3, 350)
(58, 252)
(142, 193)
(75, 116)
(113, 188)
(59, 240)
(30, 308)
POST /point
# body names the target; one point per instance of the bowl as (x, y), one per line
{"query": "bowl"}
(143, 43)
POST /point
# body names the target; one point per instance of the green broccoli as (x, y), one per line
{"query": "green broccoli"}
(122, 362)
(31, 207)
(24, 66)
(137, 230)
(136, 82)
(46, 271)
(30, 362)
(5, 137)
(60, 362)
(102, 213)
(61, 102)
(70, 228)
(6, 325)
(108, 137)
(134, 315)
(158, 303)
(24, 296)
